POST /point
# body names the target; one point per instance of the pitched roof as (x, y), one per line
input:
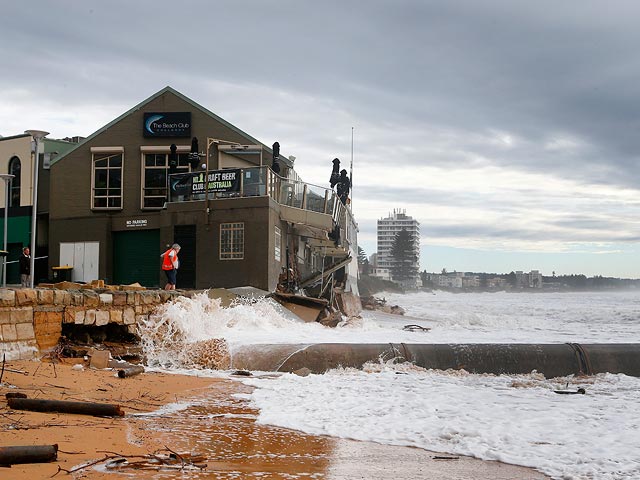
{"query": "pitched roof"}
(153, 97)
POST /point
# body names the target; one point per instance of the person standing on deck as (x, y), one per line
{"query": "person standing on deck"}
(170, 265)
(335, 173)
(342, 188)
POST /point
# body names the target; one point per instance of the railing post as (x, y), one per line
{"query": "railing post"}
(275, 187)
(304, 197)
(326, 200)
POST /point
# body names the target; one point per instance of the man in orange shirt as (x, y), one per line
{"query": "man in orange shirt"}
(170, 264)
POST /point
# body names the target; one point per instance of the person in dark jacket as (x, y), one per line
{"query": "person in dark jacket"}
(335, 173)
(342, 189)
(25, 267)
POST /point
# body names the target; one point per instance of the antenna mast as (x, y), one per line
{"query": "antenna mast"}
(351, 169)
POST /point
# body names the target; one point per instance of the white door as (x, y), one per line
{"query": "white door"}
(83, 257)
(91, 258)
(77, 274)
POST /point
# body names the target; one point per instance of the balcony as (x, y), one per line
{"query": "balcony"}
(251, 182)
(300, 203)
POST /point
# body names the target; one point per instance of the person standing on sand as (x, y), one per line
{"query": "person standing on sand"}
(170, 266)
(25, 268)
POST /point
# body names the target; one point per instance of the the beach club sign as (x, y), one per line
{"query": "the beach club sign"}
(217, 181)
(167, 124)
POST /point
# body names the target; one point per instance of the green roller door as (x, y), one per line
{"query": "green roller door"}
(136, 257)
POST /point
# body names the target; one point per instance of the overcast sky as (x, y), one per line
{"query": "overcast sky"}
(508, 129)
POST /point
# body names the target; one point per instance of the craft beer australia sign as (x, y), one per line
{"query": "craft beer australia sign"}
(217, 181)
(167, 124)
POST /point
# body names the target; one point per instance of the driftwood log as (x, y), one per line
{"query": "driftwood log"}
(81, 408)
(28, 454)
(15, 395)
(130, 371)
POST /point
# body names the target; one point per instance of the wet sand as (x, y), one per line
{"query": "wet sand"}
(215, 423)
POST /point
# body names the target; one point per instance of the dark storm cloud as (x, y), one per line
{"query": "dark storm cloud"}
(536, 87)
(431, 197)
(536, 71)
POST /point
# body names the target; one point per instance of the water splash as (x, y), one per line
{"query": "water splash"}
(197, 332)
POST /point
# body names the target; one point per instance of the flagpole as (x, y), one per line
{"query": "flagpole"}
(351, 169)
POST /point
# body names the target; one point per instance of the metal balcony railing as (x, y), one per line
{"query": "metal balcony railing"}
(251, 182)
(262, 181)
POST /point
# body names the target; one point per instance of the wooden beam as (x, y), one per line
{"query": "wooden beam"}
(329, 271)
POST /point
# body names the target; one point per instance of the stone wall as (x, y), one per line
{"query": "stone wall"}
(31, 319)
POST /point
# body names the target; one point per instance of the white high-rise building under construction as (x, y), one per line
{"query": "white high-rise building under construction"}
(388, 228)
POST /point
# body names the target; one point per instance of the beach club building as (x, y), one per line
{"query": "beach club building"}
(137, 185)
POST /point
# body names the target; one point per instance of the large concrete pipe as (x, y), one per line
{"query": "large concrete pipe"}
(552, 360)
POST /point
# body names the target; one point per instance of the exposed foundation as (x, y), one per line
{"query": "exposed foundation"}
(32, 321)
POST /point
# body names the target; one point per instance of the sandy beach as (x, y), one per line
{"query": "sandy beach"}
(83, 438)
(212, 428)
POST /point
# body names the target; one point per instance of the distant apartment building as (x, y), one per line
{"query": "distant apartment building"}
(533, 279)
(470, 281)
(376, 271)
(453, 280)
(388, 228)
(496, 282)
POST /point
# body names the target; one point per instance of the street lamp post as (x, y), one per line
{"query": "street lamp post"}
(7, 187)
(37, 135)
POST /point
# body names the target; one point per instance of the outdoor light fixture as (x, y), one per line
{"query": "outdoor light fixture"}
(37, 135)
(7, 186)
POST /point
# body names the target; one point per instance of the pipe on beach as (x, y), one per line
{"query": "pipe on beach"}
(552, 360)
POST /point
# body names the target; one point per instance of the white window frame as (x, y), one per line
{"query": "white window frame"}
(234, 249)
(106, 152)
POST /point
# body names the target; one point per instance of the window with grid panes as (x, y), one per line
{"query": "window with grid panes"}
(107, 181)
(14, 193)
(231, 241)
(154, 181)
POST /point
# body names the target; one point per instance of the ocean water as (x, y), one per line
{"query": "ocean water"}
(554, 317)
(512, 418)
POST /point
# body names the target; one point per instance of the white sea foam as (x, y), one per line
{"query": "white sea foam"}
(556, 317)
(610, 317)
(515, 419)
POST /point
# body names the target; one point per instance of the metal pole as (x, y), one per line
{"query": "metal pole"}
(7, 182)
(37, 136)
(351, 170)
(206, 181)
(34, 215)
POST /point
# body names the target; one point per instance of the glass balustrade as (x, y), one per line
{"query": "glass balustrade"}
(251, 182)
